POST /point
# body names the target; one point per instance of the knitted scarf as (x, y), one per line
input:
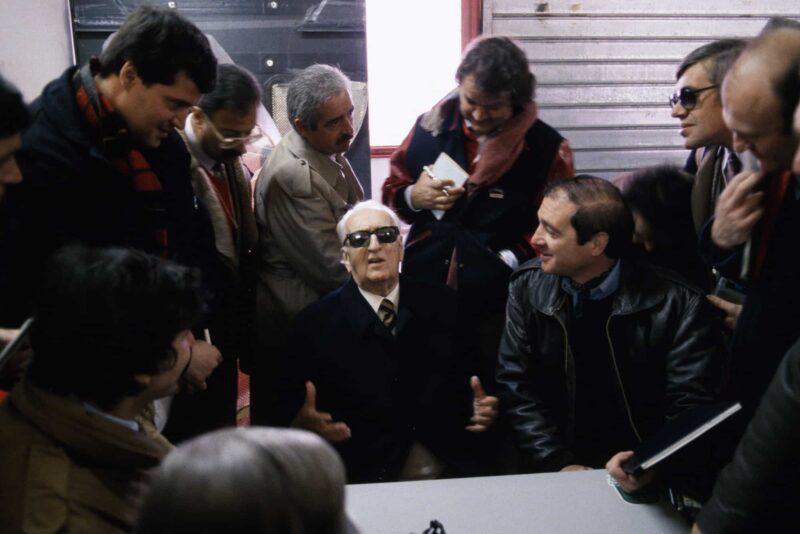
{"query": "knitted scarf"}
(116, 144)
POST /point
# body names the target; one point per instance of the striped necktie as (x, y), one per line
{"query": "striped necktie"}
(387, 314)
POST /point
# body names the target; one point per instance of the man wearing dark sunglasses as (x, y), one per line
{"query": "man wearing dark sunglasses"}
(390, 375)
(216, 132)
(696, 104)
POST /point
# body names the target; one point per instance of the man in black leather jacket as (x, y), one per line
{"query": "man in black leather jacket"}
(598, 350)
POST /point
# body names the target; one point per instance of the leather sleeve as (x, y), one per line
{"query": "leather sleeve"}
(695, 362)
(536, 432)
(764, 473)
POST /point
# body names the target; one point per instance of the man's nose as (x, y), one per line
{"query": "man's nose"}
(179, 119)
(739, 144)
(678, 111)
(348, 126)
(479, 114)
(374, 244)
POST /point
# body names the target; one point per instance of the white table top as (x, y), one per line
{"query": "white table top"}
(574, 502)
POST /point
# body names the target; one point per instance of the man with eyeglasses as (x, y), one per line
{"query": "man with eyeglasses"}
(696, 103)
(301, 193)
(390, 375)
(216, 132)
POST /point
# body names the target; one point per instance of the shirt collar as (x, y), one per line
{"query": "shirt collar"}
(195, 147)
(128, 423)
(375, 300)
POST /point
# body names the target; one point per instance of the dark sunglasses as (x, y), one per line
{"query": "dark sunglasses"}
(385, 234)
(687, 96)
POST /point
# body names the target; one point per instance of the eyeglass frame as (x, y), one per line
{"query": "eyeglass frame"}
(231, 142)
(678, 96)
(395, 231)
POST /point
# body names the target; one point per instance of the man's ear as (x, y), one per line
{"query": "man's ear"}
(142, 379)
(128, 75)
(599, 243)
(345, 259)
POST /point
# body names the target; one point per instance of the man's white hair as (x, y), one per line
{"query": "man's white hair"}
(341, 227)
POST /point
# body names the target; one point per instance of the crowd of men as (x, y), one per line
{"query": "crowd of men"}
(538, 312)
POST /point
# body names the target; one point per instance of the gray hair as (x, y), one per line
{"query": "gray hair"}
(256, 480)
(341, 227)
(310, 89)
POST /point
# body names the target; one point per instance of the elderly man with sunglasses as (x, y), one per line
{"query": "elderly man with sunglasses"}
(381, 368)
(697, 105)
(216, 132)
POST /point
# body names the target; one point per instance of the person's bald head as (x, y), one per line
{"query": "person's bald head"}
(759, 96)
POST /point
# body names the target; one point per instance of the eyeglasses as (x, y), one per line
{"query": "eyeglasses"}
(233, 142)
(687, 96)
(361, 238)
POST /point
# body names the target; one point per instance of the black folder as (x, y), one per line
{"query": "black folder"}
(680, 431)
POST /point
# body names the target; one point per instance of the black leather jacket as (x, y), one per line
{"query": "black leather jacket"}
(759, 491)
(665, 346)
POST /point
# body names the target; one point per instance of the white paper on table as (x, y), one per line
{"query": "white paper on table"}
(445, 168)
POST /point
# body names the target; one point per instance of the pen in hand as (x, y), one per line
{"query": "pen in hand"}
(429, 171)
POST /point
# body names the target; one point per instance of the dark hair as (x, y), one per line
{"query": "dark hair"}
(499, 68)
(601, 208)
(160, 44)
(247, 481)
(105, 315)
(14, 114)
(661, 195)
(777, 23)
(236, 89)
(722, 54)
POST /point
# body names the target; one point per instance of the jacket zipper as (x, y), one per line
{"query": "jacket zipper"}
(619, 380)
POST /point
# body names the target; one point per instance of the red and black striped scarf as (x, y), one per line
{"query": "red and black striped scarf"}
(116, 145)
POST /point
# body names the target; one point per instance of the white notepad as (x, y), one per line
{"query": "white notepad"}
(445, 168)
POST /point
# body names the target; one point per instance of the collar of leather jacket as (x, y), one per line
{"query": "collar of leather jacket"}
(641, 286)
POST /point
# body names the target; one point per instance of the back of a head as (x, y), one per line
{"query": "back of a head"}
(236, 89)
(14, 115)
(248, 481)
(717, 57)
(500, 68)
(109, 313)
(160, 43)
(662, 196)
(600, 208)
(309, 89)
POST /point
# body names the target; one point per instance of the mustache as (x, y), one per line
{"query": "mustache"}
(345, 138)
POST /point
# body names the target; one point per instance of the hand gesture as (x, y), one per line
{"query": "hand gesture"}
(739, 208)
(731, 309)
(629, 483)
(321, 423)
(432, 194)
(484, 407)
(205, 358)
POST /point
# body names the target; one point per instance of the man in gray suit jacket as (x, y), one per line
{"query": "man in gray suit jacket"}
(301, 193)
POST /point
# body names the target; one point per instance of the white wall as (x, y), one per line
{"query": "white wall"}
(35, 42)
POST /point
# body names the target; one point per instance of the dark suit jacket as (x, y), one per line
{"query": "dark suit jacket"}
(390, 390)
